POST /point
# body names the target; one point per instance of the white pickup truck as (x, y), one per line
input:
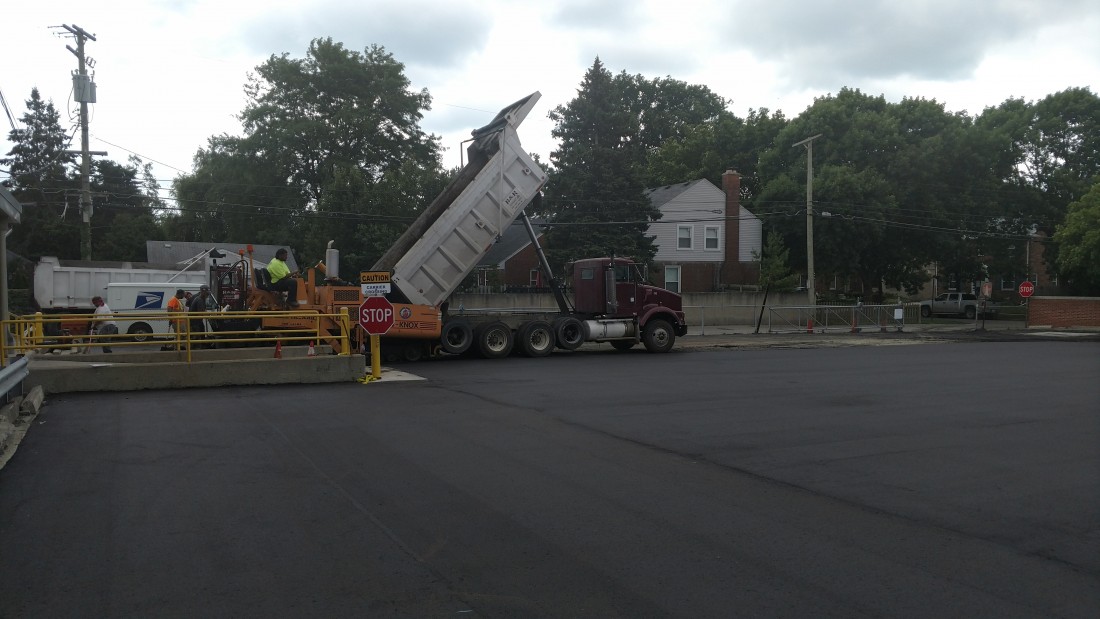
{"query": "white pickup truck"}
(956, 304)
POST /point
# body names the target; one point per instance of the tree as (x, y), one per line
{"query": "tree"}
(37, 163)
(595, 198)
(326, 138)
(775, 271)
(708, 149)
(896, 187)
(1078, 238)
(666, 108)
(124, 217)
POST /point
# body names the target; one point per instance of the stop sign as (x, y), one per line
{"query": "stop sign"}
(376, 315)
(1027, 289)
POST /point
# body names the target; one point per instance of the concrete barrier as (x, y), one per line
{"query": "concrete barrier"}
(168, 370)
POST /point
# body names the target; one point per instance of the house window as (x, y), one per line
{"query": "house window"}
(1008, 282)
(683, 237)
(710, 238)
(672, 278)
(533, 279)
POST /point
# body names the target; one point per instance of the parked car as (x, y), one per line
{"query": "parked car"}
(957, 304)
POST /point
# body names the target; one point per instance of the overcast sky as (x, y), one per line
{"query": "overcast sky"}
(170, 73)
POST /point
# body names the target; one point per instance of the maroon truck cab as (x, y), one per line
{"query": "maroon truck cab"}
(615, 288)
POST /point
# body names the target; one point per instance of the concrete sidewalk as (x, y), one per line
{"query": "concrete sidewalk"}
(931, 326)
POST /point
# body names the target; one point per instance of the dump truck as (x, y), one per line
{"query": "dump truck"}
(68, 286)
(611, 300)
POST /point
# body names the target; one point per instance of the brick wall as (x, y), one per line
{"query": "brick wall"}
(1064, 312)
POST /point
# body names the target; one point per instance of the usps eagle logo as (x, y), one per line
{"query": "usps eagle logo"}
(149, 300)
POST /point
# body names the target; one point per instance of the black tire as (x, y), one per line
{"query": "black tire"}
(535, 339)
(926, 311)
(140, 332)
(623, 344)
(456, 337)
(569, 333)
(412, 352)
(970, 312)
(494, 340)
(658, 336)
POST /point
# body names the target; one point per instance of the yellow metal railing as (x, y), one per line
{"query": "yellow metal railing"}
(29, 333)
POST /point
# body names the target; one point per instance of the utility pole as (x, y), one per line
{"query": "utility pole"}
(84, 92)
(809, 143)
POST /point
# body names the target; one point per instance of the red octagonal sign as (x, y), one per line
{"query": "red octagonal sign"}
(376, 315)
(1026, 289)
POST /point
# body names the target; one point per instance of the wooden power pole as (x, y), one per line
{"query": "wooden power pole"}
(84, 92)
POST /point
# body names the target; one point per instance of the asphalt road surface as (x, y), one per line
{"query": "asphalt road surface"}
(940, 480)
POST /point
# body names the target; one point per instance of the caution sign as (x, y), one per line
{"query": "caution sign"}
(374, 277)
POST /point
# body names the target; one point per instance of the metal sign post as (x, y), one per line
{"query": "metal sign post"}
(376, 318)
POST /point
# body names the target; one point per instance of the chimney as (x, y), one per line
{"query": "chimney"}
(731, 268)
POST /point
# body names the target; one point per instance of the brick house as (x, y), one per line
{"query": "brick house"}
(512, 265)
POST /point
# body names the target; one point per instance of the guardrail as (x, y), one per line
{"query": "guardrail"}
(12, 376)
(29, 333)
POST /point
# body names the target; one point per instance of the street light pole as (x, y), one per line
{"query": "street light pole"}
(809, 143)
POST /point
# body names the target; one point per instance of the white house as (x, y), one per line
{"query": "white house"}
(705, 239)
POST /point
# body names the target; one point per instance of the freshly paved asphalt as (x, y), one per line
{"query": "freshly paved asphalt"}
(941, 480)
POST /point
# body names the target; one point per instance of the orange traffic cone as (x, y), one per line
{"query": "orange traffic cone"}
(312, 352)
(278, 349)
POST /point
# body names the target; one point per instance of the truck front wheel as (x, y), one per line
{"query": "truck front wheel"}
(658, 336)
(569, 333)
(971, 312)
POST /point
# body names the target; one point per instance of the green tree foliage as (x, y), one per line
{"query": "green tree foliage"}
(37, 162)
(775, 269)
(124, 216)
(595, 200)
(708, 149)
(1049, 155)
(1078, 238)
(896, 187)
(665, 108)
(327, 141)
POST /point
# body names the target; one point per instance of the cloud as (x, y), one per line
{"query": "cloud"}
(832, 42)
(418, 33)
(606, 16)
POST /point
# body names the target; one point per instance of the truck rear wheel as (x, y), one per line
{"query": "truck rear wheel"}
(494, 340)
(535, 339)
(569, 333)
(658, 336)
(926, 311)
(456, 337)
